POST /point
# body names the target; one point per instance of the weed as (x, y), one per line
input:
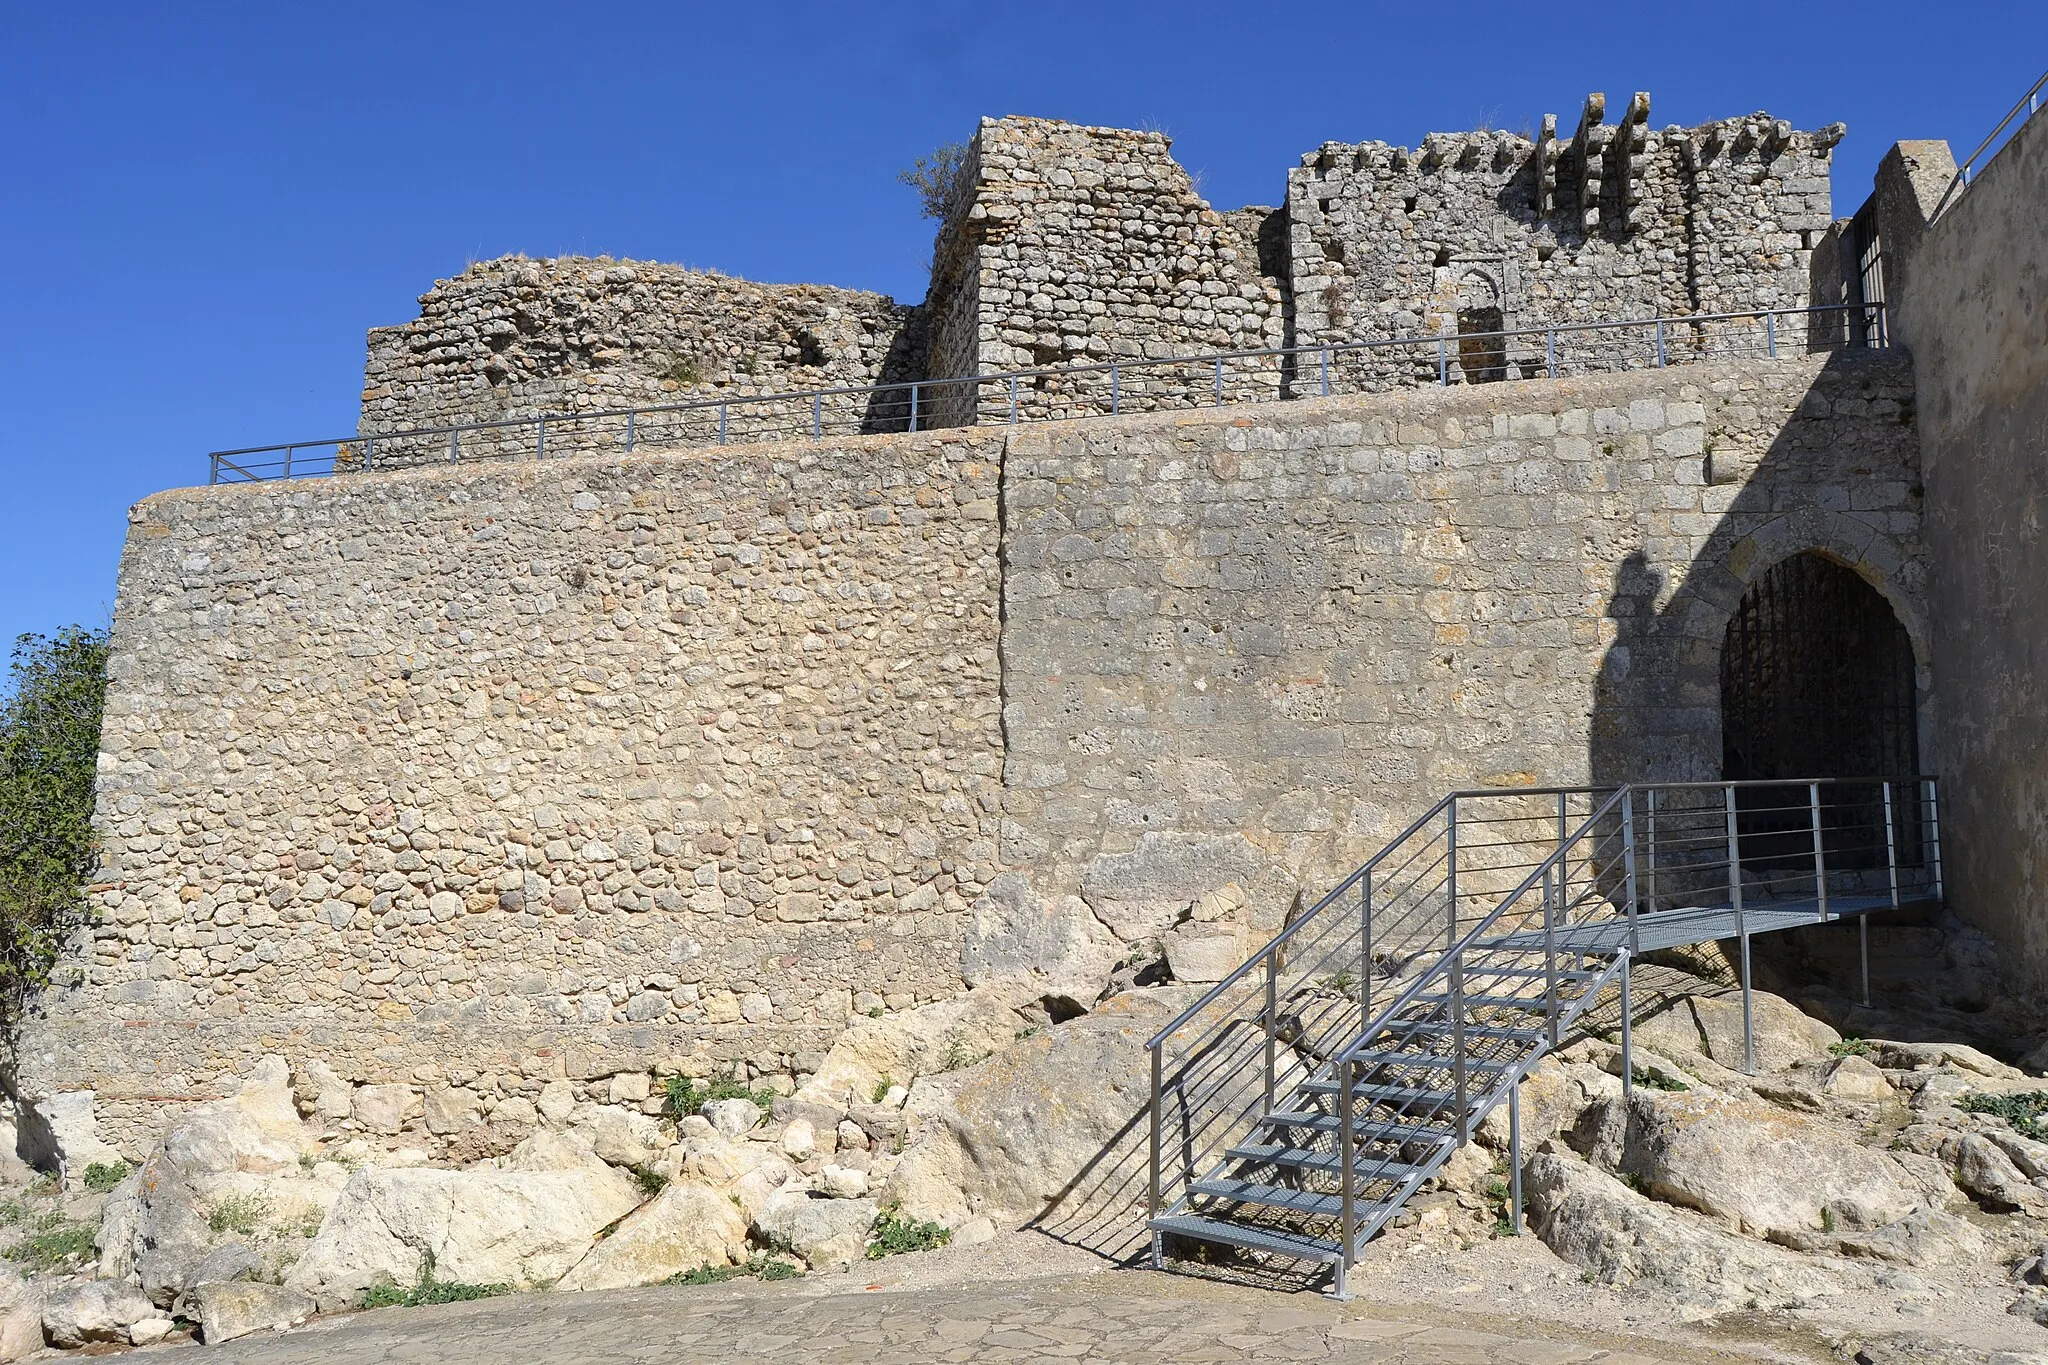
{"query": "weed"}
(1024, 1033)
(874, 1011)
(683, 371)
(1339, 983)
(884, 1086)
(1586, 1275)
(307, 1161)
(1827, 1220)
(1638, 1184)
(652, 1182)
(11, 1211)
(242, 1213)
(57, 1243)
(1657, 1080)
(895, 1234)
(102, 1176)
(428, 1291)
(758, 1268)
(2022, 1111)
(1497, 1194)
(934, 176)
(1851, 1046)
(955, 1056)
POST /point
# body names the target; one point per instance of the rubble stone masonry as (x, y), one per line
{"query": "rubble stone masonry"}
(490, 774)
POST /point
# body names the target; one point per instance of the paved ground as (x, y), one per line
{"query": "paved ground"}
(1132, 1317)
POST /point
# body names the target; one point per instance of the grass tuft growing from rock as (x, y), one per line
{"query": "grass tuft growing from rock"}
(242, 1213)
(758, 1268)
(684, 1097)
(55, 1244)
(428, 1291)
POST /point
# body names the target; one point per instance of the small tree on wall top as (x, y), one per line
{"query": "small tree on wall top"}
(933, 176)
(49, 753)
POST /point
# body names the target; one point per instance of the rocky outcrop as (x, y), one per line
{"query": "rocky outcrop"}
(93, 1310)
(927, 1041)
(1049, 1119)
(522, 1220)
(827, 1233)
(228, 1311)
(686, 1227)
(1623, 1238)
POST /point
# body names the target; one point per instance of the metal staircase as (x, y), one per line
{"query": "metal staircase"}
(1305, 1098)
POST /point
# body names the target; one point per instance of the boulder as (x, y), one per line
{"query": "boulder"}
(1014, 936)
(1928, 1056)
(925, 1041)
(842, 1182)
(383, 1108)
(227, 1311)
(1923, 1237)
(222, 1265)
(824, 1232)
(323, 1092)
(734, 1118)
(155, 1228)
(93, 1310)
(450, 1109)
(557, 1101)
(621, 1136)
(1203, 953)
(1784, 1033)
(1858, 1081)
(1011, 1136)
(799, 1140)
(525, 1222)
(686, 1227)
(1759, 1167)
(62, 1129)
(1984, 1170)
(1621, 1238)
(148, 1332)
(21, 1315)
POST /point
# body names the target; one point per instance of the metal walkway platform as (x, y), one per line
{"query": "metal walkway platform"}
(1698, 924)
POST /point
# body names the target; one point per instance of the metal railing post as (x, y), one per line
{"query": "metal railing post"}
(631, 431)
(721, 424)
(1365, 950)
(1219, 381)
(1550, 352)
(1883, 336)
(1650, 894)
(1771, 335)
(1741, 934)
(1348, 1159)
(817, 416)
(454, 446)
(1564, 897)
(1628, 1010)
(1515, 1158)
(213, 474)
(1326, 372)
(1820, 860)
(1013, 400)
(1157, 1121)
(1115, 391)
(1443, 364)
(1628, 864)
(1272, 1022)
(288, 461)
(913, 407)
(540, 438)
(369, 451)
(1660, 343)
(1451, 874)
(1550, 908)
(1934, 836)
(1460, 1083)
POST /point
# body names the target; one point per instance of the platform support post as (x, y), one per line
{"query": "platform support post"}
(1742, 936)
(1515, 1159)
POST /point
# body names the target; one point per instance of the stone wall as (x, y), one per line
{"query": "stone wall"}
(515, 338)
(1495, 230)
(1069, 245)
(1971, 306)
(488, 775)
(493, 774)
(1251, 646)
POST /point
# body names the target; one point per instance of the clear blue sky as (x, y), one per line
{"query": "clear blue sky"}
(207, 204)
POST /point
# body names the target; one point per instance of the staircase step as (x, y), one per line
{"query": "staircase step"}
(1402, 1094)
(1272, 1196)
(1376, 1129)
(1534, 973)
(1364, 1166)
(1445, 1028)
(1279, 1241)
(1426, 1061)
(1499, 1002)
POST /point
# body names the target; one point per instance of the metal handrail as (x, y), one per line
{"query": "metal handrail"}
(1116, 369)
(2031, 102)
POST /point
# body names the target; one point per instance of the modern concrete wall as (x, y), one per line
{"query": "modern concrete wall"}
(1975, 314)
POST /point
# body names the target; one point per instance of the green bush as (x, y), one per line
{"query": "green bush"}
(49, 751)
(102, 1176)
(757, 1268)
(933, 177)
(2022, 1111)
(1852, 1046)
(684, 1097)
(895, 1234)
